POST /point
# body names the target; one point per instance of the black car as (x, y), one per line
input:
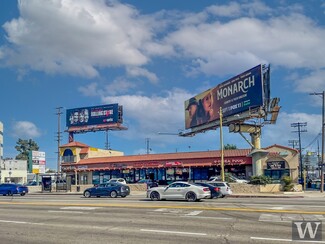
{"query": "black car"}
(215, 191)
(108, 190)
(150, 183)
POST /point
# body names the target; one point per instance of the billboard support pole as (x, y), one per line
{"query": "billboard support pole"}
(221, 145)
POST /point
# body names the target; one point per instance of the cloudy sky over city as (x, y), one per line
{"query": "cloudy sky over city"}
(149, 57)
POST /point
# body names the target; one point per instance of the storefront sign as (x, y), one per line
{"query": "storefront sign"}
(173, 164)
(276, 165)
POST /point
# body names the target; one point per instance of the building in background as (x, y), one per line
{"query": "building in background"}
(14, 171)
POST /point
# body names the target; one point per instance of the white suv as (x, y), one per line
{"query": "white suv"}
(225, 188)
(231, 178)
(117, 180)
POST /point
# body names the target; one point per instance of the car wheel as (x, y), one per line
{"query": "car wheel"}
(87, 194)
(113, 194)
(223, 196)
(22, 194)
(191, 196)
(123, 196)
(154, 196)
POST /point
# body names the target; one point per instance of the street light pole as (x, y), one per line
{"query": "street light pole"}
(221, 145)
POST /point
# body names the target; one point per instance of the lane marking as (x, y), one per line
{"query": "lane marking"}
(120, 205)
(194, 213)
(174, 232)
(80, 208)
(287, 240)
(57, 211)
(19, 222)
(205, 217)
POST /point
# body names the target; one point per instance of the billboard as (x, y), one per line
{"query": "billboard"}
(234, 96)
(38, 162)
(96, 115)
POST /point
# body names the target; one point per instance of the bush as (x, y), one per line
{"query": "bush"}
(287, 183)
(260, 180)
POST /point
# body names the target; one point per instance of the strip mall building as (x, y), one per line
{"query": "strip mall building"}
(88, 165)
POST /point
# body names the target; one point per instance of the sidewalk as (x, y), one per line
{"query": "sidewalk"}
(306, 194)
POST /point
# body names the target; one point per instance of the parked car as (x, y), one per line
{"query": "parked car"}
(225, 188)
(109, 189)
(117, 180)
(179, 190)
(150, 183)
(215, 191)
(229, 178)
(11, 189)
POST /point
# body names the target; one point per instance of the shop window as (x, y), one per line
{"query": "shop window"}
(95, 178)
(170, 174)
(161, 174)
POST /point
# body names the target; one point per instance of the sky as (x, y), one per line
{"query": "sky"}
(149, 57)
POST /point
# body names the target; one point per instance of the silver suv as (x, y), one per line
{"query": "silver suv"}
(225, 188)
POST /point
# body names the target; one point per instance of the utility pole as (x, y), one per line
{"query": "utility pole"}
(58, 113)
(299, 126)
(107, 144)
(222, 148)
(293, 143)
(148, 147)
(323, 140)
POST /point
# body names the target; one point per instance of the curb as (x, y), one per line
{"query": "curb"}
(257, 196)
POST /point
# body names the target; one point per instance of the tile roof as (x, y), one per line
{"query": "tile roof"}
(74, 144)
(167, 156)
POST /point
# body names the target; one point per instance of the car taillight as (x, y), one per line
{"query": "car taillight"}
(217, 189)
(206, 189)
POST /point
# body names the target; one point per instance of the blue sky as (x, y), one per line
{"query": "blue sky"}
(149, 57)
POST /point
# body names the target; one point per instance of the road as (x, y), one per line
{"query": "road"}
(75, 219)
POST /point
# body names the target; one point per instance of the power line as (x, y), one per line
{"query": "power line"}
(300, 127)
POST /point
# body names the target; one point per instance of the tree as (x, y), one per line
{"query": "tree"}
(230, 147)
(24, 147)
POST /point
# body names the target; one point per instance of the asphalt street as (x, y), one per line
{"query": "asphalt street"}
(75, 219)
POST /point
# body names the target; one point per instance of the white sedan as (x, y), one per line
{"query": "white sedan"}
(179, 190)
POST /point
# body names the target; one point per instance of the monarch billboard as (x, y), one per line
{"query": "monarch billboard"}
(96, 115)
(234, 96)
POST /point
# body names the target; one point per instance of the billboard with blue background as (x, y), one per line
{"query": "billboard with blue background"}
(234, 96)
(96, 115)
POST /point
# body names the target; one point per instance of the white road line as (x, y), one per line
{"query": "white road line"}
(205, 217)
(287, 240)
(19, 222)
(174, 232)
(80, 208)
(193, 213)
(54, 211)
(160, 210)
(277, 208)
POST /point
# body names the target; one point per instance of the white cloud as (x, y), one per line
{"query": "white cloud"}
(25, 129)
(314, 82)
(150, 115)
(282, 132)
(82, 36)
(136, 71)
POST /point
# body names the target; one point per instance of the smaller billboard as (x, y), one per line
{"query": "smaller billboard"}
(96, 115)
(38, 162)
(234, 96)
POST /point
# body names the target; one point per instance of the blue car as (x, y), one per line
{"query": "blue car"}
(11, 189)
(108, 190)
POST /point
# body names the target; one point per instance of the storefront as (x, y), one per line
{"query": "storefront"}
(189, 166)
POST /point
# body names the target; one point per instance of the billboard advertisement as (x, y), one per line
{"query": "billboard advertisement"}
(96, 115)
(234, 96)
(38, 162)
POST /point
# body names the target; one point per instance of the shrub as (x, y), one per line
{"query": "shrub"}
(260, 180)
(287, 183)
